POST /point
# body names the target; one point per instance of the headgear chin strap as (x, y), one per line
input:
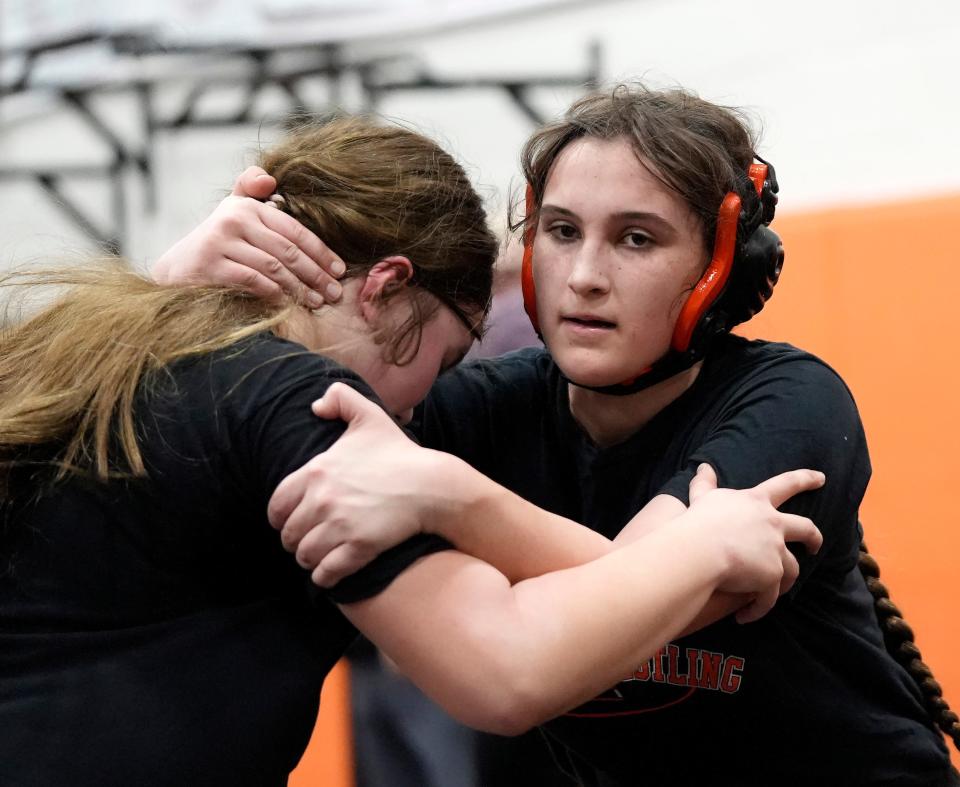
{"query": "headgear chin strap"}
(746, 263)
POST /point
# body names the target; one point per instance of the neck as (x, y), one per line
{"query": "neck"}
(609, 420)
(302, 327)
(337, 331)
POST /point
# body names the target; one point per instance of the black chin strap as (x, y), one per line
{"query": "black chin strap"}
(670, 364)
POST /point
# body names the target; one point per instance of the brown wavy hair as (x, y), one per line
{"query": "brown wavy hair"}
(698, 149)
(69, 375)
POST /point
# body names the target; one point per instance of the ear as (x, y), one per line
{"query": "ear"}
(383, 279)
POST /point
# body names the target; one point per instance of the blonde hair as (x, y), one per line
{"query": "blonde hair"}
(70, 374)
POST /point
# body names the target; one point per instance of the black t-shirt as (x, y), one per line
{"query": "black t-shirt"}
(154, 632)
(806, 696)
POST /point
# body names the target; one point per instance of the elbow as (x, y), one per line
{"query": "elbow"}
(506, 716)
(507, 727)
(515, 713)
(509, 704)
(513, 688)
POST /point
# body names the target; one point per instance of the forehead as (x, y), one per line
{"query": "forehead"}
(606, 176)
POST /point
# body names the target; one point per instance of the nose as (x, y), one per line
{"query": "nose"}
(405, 417)
(587, 273)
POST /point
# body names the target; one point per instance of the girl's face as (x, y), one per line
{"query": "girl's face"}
(444, 342)
(355, 332)
(616, 254)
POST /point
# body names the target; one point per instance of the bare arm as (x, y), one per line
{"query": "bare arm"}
(664, 509)
(506, 658)
(489, 522)
(374, 488)
(548, 643)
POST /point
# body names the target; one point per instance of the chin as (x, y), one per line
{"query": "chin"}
(592, 372)
(597, 367)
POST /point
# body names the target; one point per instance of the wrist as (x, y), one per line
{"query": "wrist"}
(703, 547)
(459, 494)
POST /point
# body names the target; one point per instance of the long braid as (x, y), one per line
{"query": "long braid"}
(898, 637)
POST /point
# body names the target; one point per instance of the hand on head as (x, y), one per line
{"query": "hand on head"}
(248, 243)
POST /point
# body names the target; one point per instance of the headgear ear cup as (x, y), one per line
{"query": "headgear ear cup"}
(760, 256)
(755, 276)
(746, 263)
(526, 269)
(714, 279)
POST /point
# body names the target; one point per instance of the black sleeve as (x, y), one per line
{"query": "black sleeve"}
(378, 574)
(796, 414)
(471, 407)
(276, 433)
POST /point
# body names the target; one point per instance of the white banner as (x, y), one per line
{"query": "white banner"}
(26, 23)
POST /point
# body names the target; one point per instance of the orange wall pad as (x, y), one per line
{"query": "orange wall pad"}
(874, 292)
(328, 760)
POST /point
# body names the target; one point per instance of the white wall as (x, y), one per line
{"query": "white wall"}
(857, 99)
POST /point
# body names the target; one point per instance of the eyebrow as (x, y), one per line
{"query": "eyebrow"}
(637, 215)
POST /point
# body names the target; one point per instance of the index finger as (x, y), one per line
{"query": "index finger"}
(308, 258)
(779, 489)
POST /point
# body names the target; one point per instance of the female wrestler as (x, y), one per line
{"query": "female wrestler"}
(153, 630)
(629, 223)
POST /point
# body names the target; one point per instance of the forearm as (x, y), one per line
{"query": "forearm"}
(374, 488)
(523, 541)
(661, 587)
(489, 522)
(546, 644)
(718, 606)
(661, 510)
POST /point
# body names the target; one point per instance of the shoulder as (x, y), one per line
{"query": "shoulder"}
(769, 407)
(241, 379)
(759, 408)
(520, 367)
(755, 355)
(520, 373)
(748, 367)
(266, 354)
(762, 408)
(242, 412)
(470, 406)
(257, 391)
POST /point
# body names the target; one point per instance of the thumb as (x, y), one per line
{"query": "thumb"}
(254, 182)
(704, 481)
(346, 403)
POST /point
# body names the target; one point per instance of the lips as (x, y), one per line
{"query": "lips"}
(589, 321)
